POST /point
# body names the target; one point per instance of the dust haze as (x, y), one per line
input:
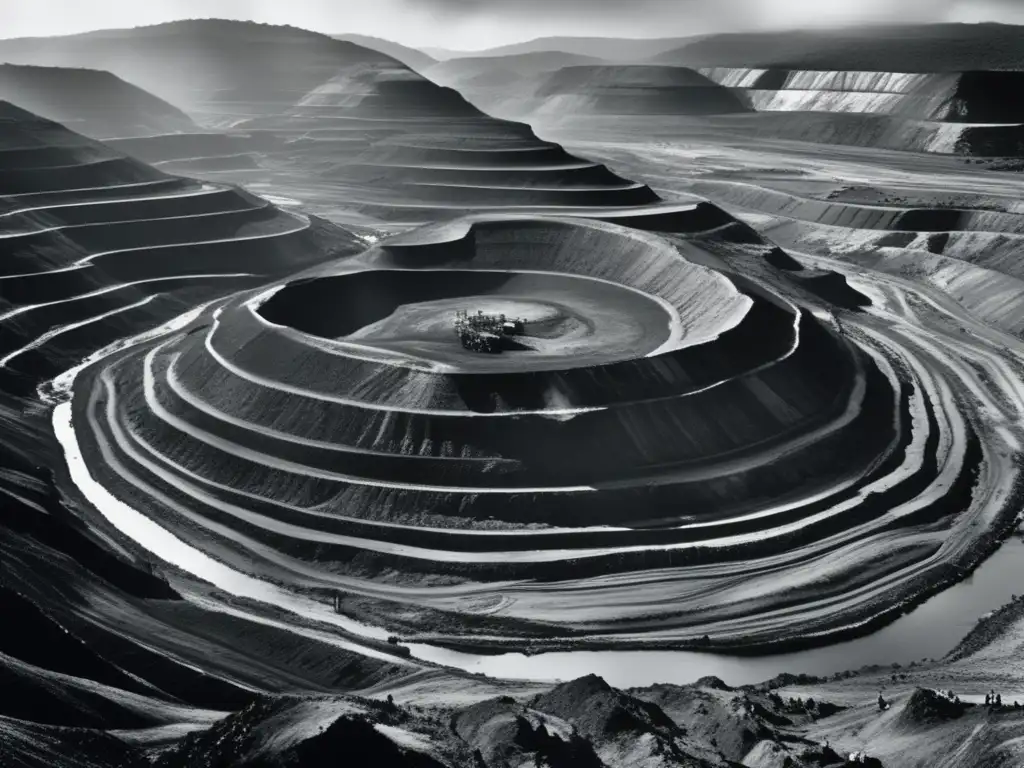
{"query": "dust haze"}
(478, 24)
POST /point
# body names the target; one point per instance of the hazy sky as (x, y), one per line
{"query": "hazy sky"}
(471, 24)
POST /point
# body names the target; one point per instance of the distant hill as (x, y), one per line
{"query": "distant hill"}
(609, 48)
(903, 48)
(411, 57)
(897, 48)
(631, 90)
(216, 70)
(110, 246)
(499, 71)
(534, 88)
(96, 104)
(344, 126)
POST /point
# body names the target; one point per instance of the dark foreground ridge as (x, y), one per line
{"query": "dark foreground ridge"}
(581, 724)
(94, 103)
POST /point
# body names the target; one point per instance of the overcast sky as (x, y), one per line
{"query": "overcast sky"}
(473, 24)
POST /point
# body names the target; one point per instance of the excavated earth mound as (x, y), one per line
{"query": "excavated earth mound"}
(670, 452)
(927, 706)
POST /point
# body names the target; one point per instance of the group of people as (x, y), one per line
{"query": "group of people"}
(993, 699)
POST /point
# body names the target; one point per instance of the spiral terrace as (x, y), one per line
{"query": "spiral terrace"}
(747, 473)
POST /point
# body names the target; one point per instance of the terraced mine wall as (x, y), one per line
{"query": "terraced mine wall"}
(94, 245)
(945, 112)
(91, 102)
(351, 131)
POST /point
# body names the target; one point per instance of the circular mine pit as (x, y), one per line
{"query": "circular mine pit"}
(568, 321)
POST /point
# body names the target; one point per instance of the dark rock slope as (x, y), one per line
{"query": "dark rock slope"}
(96, 104)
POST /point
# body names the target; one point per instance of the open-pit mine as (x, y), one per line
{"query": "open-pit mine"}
(341, 416)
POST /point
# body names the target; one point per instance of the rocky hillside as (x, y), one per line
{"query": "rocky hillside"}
(581, 724)
(94, 103)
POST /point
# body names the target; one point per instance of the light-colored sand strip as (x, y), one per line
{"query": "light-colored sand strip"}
(581, 211)
(57, 271)
(27, 502)
(58, 389)
(133, 185)
(573, 166)
(592, 188)
(117, 287)
(55, 332)
(63, 227)
(205, 189)
(303, 221)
